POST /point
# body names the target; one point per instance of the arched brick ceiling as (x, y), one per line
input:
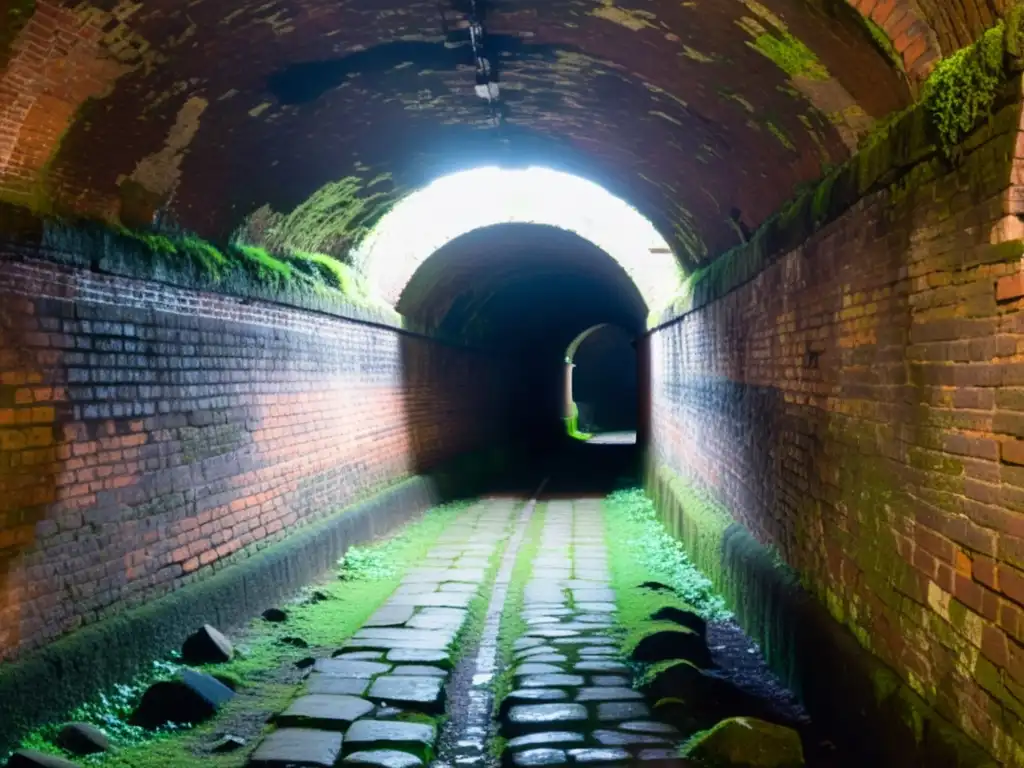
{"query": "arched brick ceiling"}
(521, 286)
(706, 114)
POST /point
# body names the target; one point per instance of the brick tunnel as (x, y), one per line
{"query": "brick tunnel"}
(511, 383)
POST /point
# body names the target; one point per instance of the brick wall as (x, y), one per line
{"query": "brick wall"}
(859, 406)
(150, 435)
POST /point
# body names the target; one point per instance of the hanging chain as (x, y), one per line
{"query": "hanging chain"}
(486, 86)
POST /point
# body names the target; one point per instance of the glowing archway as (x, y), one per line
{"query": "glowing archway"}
(453, 205)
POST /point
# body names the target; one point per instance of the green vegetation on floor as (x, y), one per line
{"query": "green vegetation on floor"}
(476, 616)
(513, 625)
(324, 615)
(642, 550)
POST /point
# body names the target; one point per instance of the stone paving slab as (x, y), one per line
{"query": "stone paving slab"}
(324, 711)
(297, 747)
(569, 656)
(423, 693)
(384, 758)
(397, 662)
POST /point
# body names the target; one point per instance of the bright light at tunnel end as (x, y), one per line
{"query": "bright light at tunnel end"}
(451, 206)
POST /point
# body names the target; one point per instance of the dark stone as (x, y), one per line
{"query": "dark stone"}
(418, 655)
(357, 655)
(607, 693)
(719, 698)
(599, 755)
(533, 696)
(657, 586)
(527, 717)
(532, 757)
(346, 668)
(29, 758)
(687, 619)
(297, 747)
(317, 597)
(417, 738)
(324, 711)
(419, 670)
(294, 642)
(390, 616)
(611, 681)
(192, 699)
(545, 738)
(337, 686)
(423, 693)
(747, 742)
(550, 681)
(82, 739)
(600, 665)
(673, 644)
(206, 646)
(228, 743)
(536, 668)
(622, 710)
(275, 615)
(384, 758)
(305, 663)
(624, 738)
(649, 726)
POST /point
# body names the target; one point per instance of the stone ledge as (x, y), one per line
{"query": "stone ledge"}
(45, 684)
(844, 687)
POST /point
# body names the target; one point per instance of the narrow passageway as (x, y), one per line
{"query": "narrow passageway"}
(506, 644)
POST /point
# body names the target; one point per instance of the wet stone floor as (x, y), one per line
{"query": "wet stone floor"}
(414, 685)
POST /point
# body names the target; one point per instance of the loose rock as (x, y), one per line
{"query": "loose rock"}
(207, 646)
(275, 615)
(228, 743)
(192, 699)
(747, 742)
(671, 644)
(29, 758)
(82, 739)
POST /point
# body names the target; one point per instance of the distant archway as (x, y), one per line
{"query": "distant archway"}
(609, 395)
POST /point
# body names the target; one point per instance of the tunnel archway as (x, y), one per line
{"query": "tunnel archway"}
(601, 393)
(426, 220)
(522, 292)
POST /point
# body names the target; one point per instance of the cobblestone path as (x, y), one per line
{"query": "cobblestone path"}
(378, 700)
(573, 700)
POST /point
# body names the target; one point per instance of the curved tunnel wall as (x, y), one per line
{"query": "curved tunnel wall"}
(854, 408)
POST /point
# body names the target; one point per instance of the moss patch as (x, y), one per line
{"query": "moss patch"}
(311, 280)
(324, 615)
(642, 550)
(333, 220)
(512, 623)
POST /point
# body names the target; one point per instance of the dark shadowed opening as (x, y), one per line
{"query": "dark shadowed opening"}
(521, 293)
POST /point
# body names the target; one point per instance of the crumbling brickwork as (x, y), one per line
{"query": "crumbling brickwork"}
(151, 435)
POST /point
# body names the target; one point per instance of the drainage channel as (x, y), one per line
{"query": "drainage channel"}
(469, 726)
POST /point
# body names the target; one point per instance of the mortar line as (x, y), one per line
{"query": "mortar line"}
(471, 726)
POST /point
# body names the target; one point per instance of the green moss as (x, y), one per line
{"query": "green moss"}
(963, 87)
(366, 576)
(513, 625)
(881, 39)
(790, 55)
(642, 550)
(781, 135)
(333, 220)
